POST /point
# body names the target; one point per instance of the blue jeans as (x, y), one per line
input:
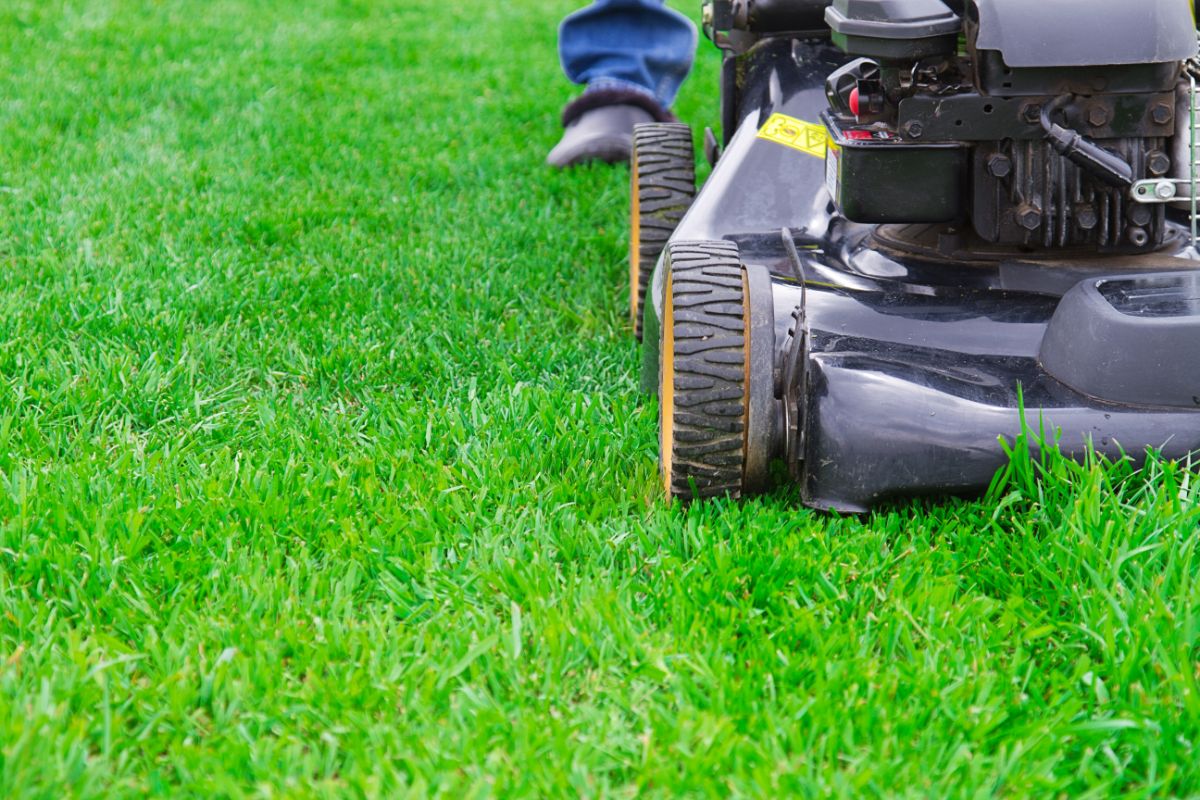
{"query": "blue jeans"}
(639, 45)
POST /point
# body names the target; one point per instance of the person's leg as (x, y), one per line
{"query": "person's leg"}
(632, 55)
(628, 44)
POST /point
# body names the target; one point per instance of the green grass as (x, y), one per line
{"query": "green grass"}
(323, 471)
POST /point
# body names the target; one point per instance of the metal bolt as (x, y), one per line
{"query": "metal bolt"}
(1158, 163)
(1162, 113)
(1138, 237)
(1029, 218)
(1086, 217)
(999, 165)
(1031, 113)
(1164, 190)
(1098, 116)
(914, 129)
(1140, 214)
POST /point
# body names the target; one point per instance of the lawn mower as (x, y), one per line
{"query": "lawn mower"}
(928, 224)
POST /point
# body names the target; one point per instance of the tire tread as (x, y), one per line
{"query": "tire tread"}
(666, 186)
(710, 351)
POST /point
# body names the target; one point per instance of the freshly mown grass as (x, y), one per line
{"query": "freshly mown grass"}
(323, 470)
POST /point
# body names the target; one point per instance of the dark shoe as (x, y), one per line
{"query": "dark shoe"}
(599, 127)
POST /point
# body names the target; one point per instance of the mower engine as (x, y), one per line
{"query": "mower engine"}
(966, 115)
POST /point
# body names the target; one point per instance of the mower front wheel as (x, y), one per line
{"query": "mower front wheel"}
(704, 380)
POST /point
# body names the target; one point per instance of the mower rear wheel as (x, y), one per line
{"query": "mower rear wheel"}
(704, 364)
(663, 184)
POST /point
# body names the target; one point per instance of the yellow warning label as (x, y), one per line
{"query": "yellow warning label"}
(795, 133)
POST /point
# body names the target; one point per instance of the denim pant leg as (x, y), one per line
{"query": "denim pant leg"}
(632, 44)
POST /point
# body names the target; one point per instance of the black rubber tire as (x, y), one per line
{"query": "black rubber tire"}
(703, 364)
(663, 185)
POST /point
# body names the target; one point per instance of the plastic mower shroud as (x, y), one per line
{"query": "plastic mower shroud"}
(880, 360)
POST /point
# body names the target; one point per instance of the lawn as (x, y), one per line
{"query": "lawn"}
(324, 472)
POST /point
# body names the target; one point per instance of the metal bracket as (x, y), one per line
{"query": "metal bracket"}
(1160, 190)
